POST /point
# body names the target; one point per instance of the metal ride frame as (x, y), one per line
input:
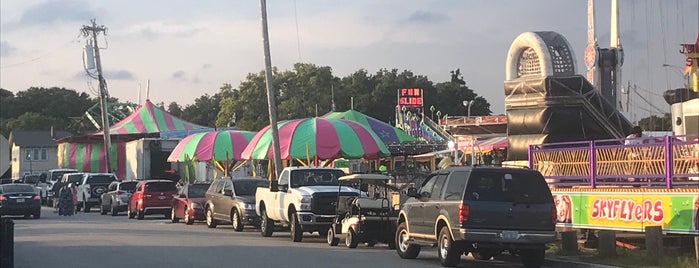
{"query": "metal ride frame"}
(669, 161)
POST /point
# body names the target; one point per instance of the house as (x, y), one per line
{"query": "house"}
(33, 151)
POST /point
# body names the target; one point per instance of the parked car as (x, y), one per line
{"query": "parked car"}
(188, 204)
(92, 187)
(52, 176)
(233, 200)
(20, 199)
(116, 199)
(75, 178)
(151, 197)
(481, 210)
(35, 181)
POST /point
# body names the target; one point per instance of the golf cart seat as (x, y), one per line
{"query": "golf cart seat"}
(366, 203)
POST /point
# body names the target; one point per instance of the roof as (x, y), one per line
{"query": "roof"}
(150, 119)
(387, 133)
(36, 138)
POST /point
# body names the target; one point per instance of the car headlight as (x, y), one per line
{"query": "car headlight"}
(249, 206)
(305, 202)
(196, 206)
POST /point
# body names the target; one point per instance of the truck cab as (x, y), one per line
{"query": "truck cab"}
(302, 199)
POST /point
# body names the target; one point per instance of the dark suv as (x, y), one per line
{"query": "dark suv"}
(481, 210)
(233, 200)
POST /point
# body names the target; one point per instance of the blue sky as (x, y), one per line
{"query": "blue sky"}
(190, 48)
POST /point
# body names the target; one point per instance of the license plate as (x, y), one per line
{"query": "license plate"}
(510, 235)
(162, 197)
(20, 200)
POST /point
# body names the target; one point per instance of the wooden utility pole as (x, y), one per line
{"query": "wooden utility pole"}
(271, 98)
(92, 31)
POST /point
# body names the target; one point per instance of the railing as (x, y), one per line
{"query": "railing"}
(651, 161)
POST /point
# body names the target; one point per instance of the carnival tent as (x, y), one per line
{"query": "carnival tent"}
(485, 145)
(150, 119)
(387, 133)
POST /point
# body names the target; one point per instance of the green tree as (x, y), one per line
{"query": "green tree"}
(248, 103)
(174, 109)
(656, 123)
(33, 121)
(304, 91)
(452, 94)
(203, 111)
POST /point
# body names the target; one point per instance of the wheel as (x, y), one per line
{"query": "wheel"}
(113, 210)
(449, 253)
(533, 258)
(351, 239)
(236, 221)
(37, 215)
(266, 225)
(332, 239)
(131, 214)
(210, 222)
(140, 214)
(403, 247)
(103, 211)
(296, 230)
(188, 220)
(173, 217)
(27, 216)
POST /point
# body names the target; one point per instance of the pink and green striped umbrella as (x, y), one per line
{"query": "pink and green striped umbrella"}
(217, 145)
(317, 137)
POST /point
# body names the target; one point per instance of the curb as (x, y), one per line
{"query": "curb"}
(556, 261)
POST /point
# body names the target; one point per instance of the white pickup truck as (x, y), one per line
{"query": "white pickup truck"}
(303, 199)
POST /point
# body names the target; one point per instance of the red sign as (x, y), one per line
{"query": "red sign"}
(410, 97)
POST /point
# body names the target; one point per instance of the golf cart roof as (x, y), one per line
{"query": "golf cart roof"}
(368, 178)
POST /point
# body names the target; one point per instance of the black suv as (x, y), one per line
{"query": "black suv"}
(481, 210)
(233, 200)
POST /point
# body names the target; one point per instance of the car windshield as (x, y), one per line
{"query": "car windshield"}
(314, 177)
(508, 186)
(164, 186)
(248, 187)
(58, 174)
(101, 179)
(31, 179)
(197, 190)
(16, 188)
(75, 178)
(127, 186)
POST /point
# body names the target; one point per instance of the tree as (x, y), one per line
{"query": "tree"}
(656, 123)
(33, 121)
(452, 94)
(305, 91)
(174, 109)
(249, 103)
(203, 111)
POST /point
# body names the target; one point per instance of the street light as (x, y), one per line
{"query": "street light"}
(30, 163)
(432, 110)
(468, 105)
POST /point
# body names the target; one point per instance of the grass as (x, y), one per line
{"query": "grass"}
(673, 257)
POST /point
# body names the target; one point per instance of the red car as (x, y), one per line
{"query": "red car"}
(188, 204)
(151, 197)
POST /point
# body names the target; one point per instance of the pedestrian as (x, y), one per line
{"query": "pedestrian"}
(74, 194)
(66, 203)
(634, 136)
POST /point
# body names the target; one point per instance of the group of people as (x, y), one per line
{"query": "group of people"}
(67, 200)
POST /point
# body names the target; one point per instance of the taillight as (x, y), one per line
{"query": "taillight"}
(36, 197)
(554, 215)
(2, 197)
(464, 211)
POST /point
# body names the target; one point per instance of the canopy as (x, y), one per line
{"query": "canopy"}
(149, 119)
(387, 133)
(217, 145)
(319, 138)
(485, 145)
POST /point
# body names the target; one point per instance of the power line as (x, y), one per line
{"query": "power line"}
(43, 56)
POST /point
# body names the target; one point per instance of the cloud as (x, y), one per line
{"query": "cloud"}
(50, 12)
(206, 66)
(6, 49)
(179, 75)
(155, 30)
(427, 17)
(118, 75)
(182, 76)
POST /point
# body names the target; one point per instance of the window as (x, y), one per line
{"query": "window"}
(455, 186)
(438, 186)
(43, 154)
(284, 178)
(427, 186)
(36, 154)
(508, 186)
(227, 186)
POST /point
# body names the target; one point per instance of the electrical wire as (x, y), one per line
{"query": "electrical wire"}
(41, 57)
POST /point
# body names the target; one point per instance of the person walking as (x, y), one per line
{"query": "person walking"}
(74, 194)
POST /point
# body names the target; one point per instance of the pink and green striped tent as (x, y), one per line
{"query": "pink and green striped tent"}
(150, 119)
(89, 157)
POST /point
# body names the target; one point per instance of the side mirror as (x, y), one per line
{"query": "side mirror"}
(412, 192)
(228, 192)
(274, 186)
(424, 196)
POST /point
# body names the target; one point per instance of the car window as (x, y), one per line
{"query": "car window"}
(31, 179)
(226, 186)
(128, 186)
(215, 187)
(284, 178)
(161, 187)
(112, 187)
(248, 187)
(196, 190)
(426, 188)
(100, 179)
(75, 178)
(438, 187)
(16, 188)
(313, 177)
(508, 186)
(455, 185)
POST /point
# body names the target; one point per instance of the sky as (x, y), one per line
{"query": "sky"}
(186, 49)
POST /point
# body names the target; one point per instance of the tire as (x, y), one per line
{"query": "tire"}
(173, 218)
(332, 239)
(533, 258)
(449, 253)
(113, 210)
(236, 221)
(37, 215)
(296, 230)
(266, 224)
(188, 220)
(210, 222)
(404, 249)
(351, 239)
(103, 211)
(140, 214)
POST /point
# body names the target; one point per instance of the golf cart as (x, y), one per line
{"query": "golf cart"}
(368, 218)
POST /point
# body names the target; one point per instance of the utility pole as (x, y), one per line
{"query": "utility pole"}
(92, 31)
(271, 103)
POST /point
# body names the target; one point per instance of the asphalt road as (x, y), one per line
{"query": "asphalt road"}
(92, 240)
